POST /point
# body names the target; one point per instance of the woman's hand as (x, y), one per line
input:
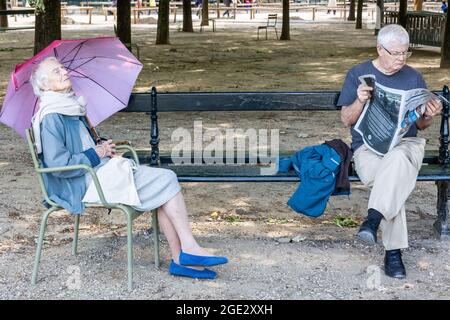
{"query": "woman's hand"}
(105, 149)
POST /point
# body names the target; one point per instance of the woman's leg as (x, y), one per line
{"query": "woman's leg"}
(179, 229)
(170, 233)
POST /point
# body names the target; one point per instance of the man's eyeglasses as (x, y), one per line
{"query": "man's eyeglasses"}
(397, 55)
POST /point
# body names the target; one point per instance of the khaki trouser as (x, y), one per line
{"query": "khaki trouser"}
(392, 178)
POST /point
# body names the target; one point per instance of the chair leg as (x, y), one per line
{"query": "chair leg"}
(37, 258)
(266, 33)
(156, 237)
(75, 234)
(276, 33)
(130, 250)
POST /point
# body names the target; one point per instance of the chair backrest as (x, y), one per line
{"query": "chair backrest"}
(36, 162)
(272, 19)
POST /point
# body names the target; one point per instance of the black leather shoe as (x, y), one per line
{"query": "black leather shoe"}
(368, 230)
(393, 264)
(367, 233)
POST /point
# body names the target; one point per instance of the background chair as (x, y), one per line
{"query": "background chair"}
(129, 212)
(271, 23)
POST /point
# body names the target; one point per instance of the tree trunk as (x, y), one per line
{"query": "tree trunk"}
(124, 22)
(162, 32)
(351, 13)
(47, 25)
(187, 16)
(380, 16)
(205, 13)
(359, 11)
(402, 11)
(285, 29)
(445, 47)
(3, 19)
(418, 5)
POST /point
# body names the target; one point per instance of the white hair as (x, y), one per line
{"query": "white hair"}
(39, 76)
(393, 34)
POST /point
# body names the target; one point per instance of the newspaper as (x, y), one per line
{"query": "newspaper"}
(389, 114)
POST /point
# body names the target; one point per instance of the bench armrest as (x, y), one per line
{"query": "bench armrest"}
(83, 167)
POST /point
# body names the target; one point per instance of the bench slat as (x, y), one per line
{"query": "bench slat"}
(234, 101)
(252, 173)
(431, 157)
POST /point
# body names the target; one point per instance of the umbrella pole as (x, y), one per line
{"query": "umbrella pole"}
(94, 132)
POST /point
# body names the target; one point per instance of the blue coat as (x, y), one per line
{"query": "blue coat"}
(62, 146)
(317, 167)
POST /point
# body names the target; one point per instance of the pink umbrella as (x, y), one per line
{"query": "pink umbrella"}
(102, 70)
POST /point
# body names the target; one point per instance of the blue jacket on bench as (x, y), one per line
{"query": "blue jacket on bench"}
(317, 167)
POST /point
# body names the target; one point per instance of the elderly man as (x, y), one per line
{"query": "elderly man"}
(392, 176)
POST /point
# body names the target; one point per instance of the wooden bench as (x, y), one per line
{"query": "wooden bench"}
(65, 11)
(213, 24)
(15, 12)
(435, 164)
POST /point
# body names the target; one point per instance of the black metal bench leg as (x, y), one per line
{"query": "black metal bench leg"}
(441, 224)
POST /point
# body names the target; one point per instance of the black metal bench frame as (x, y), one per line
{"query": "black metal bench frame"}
(436, 166)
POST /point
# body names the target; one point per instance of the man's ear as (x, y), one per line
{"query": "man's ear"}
(379, 49)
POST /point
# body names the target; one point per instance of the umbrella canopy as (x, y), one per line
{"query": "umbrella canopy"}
(102, 70)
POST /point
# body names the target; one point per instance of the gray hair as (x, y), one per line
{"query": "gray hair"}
(39, 76)
(393, 33)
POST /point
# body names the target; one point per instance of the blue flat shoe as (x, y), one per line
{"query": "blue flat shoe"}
(187, 259)
(177, 270)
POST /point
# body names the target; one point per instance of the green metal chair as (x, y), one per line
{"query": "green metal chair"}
(129, 212)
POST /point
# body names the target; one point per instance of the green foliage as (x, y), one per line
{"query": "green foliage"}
(232, 218)
(347, 222)
(38, 4)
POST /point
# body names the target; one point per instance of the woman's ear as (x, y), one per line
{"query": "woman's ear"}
(44, 83)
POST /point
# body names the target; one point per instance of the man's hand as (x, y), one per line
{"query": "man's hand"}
(433, 108)
(364, 93)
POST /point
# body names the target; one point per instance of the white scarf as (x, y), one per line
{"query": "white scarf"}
(54, 102)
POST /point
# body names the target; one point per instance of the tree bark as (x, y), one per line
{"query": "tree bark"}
(445, 47)
(380, 16)
(3, 19)
(162, 32)
(187, 16)
(351, 12)
(285, 30)
(205, 13)
(47, 25)
(402, 11)
(359, 11)
(124, 22)
(418, 5)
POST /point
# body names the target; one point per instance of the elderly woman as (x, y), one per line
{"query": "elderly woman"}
(63, 137)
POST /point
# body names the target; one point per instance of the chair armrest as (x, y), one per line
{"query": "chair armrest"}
(125, 145)
(83, 167)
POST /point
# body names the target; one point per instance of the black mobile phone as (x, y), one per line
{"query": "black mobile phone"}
(370, 82)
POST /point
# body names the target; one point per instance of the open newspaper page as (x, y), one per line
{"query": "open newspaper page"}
(389, 114)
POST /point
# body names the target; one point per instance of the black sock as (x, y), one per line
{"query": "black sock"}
(374, 217)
